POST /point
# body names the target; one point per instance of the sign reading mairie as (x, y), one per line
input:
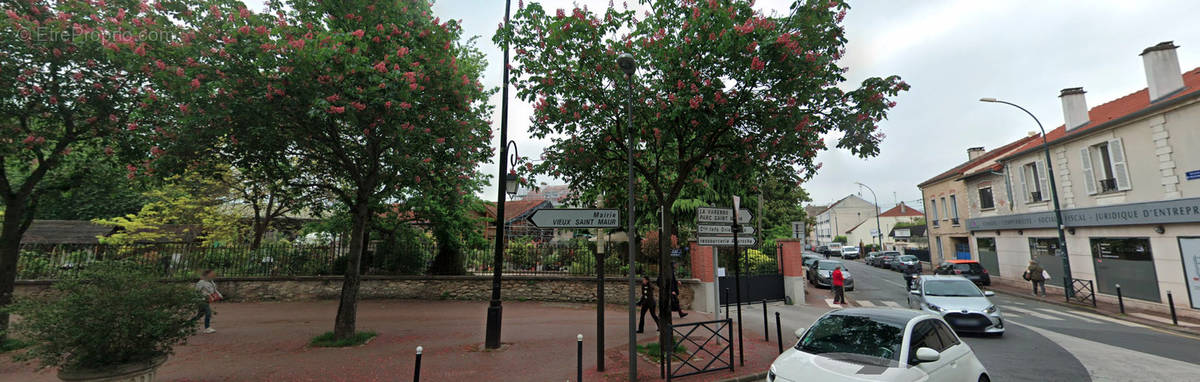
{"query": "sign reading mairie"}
(1159, 212)
(575, 218)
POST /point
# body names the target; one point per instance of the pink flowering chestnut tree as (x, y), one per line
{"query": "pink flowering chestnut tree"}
(722, 91)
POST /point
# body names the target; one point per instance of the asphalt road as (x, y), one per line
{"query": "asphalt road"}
(1042, 342)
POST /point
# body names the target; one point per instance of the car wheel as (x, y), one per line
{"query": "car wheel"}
(984, 378)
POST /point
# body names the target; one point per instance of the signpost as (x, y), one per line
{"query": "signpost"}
(725, 241)
(722, 230)
(575, 218)
(722, 215)
(584, 218)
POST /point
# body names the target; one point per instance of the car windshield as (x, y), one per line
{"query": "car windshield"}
(962, 266)
(850, 249)
(951, 288)
(828, 265)
(891, 253)
(855, 339)
(908, 258)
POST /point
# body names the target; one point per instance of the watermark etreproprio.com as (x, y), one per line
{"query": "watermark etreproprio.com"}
(44, 34)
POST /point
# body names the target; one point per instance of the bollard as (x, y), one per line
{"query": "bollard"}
(1120, 299)
(417, 369)
(579, 359)
(766, 327)
(1171, 301)
(779, 332)
(726, 302)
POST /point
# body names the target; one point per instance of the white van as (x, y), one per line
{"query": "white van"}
(835, 249)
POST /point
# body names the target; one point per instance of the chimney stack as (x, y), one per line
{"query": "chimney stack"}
(1075, 109)
(1162, 70)
(974, 152)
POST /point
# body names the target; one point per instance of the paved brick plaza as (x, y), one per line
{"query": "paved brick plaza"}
(268, 342)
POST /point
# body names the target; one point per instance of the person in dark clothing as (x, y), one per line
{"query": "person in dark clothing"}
(675, 298)
(647, 303)
(910, 275)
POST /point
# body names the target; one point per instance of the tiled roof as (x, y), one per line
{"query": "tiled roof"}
(1121, 107)
(515, 208)
(990, 155)
(905, 211)
(64, 232)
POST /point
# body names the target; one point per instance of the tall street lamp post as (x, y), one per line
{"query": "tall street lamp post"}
(494, 310)
(878, 229)
(1062, 236)
(629, 66)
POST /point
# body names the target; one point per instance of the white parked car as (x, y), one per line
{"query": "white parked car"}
(957, 300)
(878, 344)
(850, 252)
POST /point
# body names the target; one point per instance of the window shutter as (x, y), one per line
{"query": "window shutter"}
(1025, 183)
(1089, 178)
(1008, 188)
(1045, 189)
(1116, 152)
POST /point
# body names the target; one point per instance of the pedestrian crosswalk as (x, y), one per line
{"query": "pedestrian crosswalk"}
(1015, 308)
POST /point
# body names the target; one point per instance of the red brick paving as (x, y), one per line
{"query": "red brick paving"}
(268, 342)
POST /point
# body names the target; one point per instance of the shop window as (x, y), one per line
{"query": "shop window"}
(1045, 252)
(1125, 261)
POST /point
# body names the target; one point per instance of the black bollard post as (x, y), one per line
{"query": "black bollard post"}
(579, 358)
(1171, 301)
(779, 332)
(1120, 299)
(726, 302)
(417, 369)
(766, 327)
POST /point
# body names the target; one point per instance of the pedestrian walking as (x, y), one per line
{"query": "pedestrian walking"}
(647, 303)
(838, 282)
(1037, 275)
(208, 290)
(675, 284)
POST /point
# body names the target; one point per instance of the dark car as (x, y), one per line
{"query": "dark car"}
(871, 258)
(824, 249)
(885, 259)
(970, 269)
(905, 263)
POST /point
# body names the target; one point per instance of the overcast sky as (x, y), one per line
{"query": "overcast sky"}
(952, 53)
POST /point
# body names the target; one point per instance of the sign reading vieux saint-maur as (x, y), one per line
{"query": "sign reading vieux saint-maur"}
(575, 218)
(721, 215)
(1160, 212)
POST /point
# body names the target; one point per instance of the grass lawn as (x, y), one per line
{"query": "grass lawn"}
(327, 341)
(653, 350)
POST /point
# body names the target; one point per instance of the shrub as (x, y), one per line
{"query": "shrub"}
(108, 314)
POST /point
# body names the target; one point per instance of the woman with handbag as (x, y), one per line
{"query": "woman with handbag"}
(207, 289)
(1037, 275)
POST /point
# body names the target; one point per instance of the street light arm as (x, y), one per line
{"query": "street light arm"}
(1035, 119)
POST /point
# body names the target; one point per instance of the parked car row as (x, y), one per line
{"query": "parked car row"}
(969, 269)
(895, 261)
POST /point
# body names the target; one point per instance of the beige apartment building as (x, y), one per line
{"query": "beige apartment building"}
(947, 203)
(1128, 178)
(841, 216)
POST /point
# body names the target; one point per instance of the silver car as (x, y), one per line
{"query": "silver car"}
(959, 302)
(821, 274)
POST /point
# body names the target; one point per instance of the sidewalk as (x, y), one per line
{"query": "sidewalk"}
(269, 342)
(1055, 295)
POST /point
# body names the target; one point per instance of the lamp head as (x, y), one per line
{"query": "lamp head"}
(987, 99)
(627, 64)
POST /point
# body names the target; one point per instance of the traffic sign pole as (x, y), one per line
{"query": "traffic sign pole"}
(737, 269)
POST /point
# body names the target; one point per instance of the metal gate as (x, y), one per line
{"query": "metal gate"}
(708, 344)
(761, 277)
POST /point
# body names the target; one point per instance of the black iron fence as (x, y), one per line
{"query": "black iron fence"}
(185, 260)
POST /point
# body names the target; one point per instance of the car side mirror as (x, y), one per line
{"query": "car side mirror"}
(915, 292)
(927, 355)
(799, 333)
(989, 293)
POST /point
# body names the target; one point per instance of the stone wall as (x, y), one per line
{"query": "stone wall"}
(518, 288)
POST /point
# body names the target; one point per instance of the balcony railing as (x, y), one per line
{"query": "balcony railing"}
(954, 221)
(1035, 196)
(1108, 185)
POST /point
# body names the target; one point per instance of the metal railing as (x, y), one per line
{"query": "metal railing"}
(706, 343)
(1084, 292)
(186, 260)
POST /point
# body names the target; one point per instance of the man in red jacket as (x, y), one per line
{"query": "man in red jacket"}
(839, 283)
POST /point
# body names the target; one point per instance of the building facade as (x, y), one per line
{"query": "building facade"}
(947, 202)
(864, 232)
(841, 216)
(1128, 179)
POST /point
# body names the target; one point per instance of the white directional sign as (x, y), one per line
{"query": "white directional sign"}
(725, 241)
(798, 230)
(575, 218)
(721, 215)
(722, 230)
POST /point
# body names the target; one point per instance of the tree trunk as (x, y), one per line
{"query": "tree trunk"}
(347, 313)
(260, 229)
(16, 219)
(449, 259)
(666, 276)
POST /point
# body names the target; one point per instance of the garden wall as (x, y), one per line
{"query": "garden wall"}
(479, 288)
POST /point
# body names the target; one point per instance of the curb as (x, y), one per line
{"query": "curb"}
(746, 378)
(1149, 323)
